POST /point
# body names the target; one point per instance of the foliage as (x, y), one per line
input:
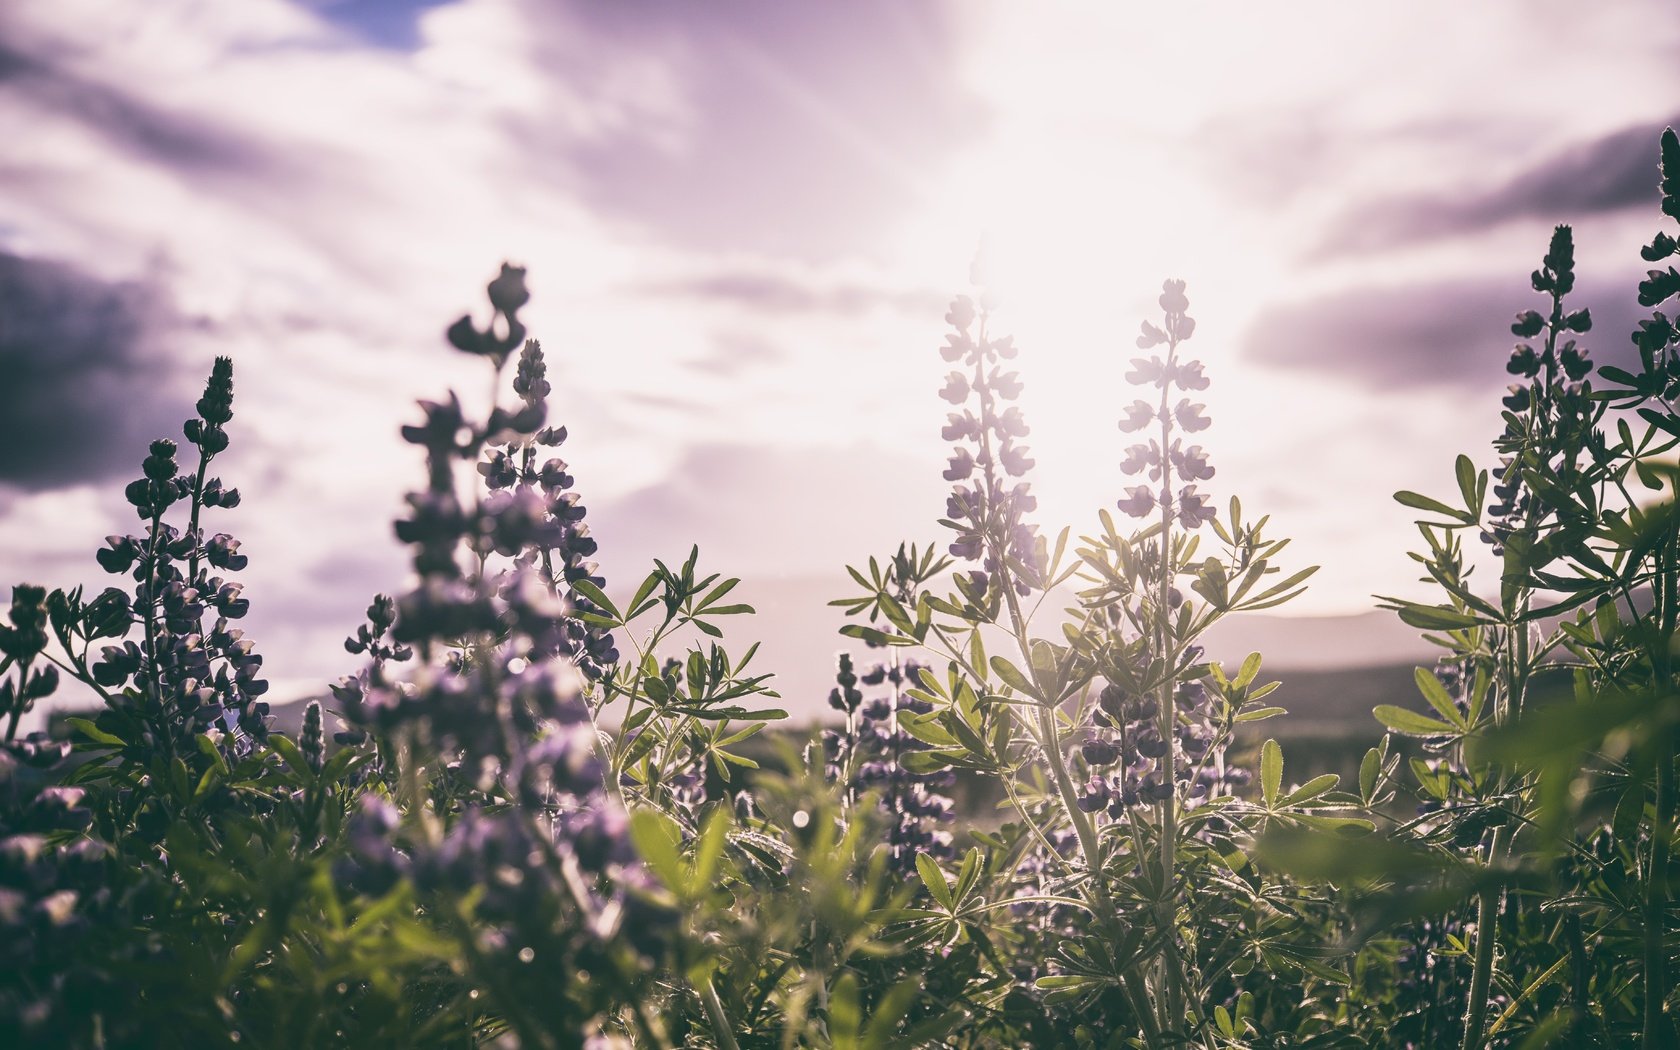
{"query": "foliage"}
(553, 818)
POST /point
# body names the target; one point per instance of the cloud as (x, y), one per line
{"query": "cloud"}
(71, 347)
(768, 292)
(1441, 333)
(141, 130)
(1609, 173)
(800, 129)
(782, 511)
(733, 352)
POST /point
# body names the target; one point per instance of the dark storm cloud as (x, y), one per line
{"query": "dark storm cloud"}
(141, 130)
(80, 387)
(814, 123)
(1431, 334)
(1605, 174)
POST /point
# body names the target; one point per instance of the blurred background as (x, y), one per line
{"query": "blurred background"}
(743, 221)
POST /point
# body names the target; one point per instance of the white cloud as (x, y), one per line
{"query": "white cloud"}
(320, 209)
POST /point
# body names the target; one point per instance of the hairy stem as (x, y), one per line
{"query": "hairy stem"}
(1487, 919)
(722, 1030)
(1657, 1031)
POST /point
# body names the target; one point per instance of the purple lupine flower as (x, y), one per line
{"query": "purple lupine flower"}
(961, 465)
(1188, 374)
(1138, 414)
(1193, 509)
(1191, 416)
(1192, 463)
(1140, 456)
(955, 389)
(1148, 371)
(1014, 460)
(1139, 501)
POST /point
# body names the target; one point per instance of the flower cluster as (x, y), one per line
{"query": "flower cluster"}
(54, 897)
(1165, 458)
(989, 511)
(533, 835)
(1125, 753)
(1656, 336)
(182, 678)
(868, 755)
(20, 644)
(1550, 415)
(558, 540)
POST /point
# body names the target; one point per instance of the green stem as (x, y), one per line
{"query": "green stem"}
(1487, 919)
(722, 1030)
(1657, 1031)
(192, 520)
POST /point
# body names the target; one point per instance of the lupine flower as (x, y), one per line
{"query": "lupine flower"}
(1138, 414)
(498, 689)
(989, 515)
(1550, 413)
(867, 754)
(1139, 501)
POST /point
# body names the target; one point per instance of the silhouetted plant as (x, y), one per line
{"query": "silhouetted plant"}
(553, 818)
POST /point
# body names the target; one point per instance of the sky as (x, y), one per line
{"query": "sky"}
(742, 220)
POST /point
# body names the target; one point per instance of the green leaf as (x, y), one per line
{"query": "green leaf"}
(1369, 767)
(895, 613)
(1435, 617)
(1411, 723)
(712, 714)
(845, 1013)
(1271, 771)
(1424, 503)
(929, 761)
(968, 874)
(927, 730)
(643, 592)
(873, 636)
(1467, 484)
(597, 596)
(1013, 677)
(1436, 693)
(889, 1011)
(709, 850)
(1661, 420)
(659, 842)
(1249, 670)
(94, 733)
(717, 593)
(934, 879)
(1312, 789)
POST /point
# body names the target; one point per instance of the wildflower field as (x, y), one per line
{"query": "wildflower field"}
(547, 807)
(541, 825)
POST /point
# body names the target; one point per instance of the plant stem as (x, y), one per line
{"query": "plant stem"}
(1657, 1031)
(722, 1030)
(1487, 920)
